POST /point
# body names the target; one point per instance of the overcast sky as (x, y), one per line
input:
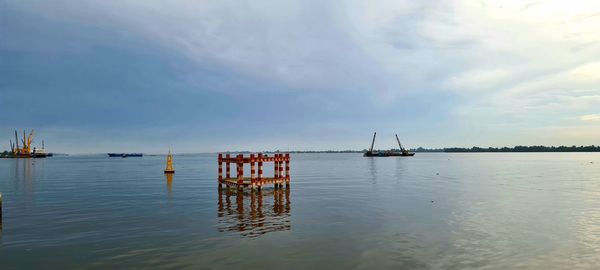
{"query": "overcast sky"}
(203, 76)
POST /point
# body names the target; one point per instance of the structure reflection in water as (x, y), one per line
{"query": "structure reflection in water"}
(254, 213)
(25, 174)
(169, 178)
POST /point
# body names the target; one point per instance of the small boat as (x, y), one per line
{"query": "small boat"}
(390, 153)
(124, 155)
(40, 153)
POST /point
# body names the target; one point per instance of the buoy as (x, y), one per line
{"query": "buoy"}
(169, 168)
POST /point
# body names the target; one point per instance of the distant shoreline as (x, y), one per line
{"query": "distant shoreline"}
(516, 149)
(475, 149)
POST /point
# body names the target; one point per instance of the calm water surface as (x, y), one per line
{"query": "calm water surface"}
(343, 211)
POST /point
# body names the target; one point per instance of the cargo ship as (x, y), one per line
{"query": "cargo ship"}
(124, 155)
(390, 153)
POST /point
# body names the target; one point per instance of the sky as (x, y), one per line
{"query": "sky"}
(208, 76)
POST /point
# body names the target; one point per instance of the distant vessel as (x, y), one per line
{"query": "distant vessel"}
(390, 153)
(124, 155)
(25, 150)
(40, 153)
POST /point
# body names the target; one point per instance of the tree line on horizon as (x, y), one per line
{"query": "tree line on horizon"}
(518, 148)
(475, 149)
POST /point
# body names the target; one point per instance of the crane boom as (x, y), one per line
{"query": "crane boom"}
(373, 142)
(399, 144)
(30, 139)
(17, 140)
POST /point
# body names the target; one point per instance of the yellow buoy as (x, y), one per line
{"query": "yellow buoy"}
(169, 168)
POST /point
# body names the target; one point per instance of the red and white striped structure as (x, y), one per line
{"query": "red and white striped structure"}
(256, 179)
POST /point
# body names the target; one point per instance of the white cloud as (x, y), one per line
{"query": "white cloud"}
(472, 42)
(590, 117)
(527, 63)
(478, 79)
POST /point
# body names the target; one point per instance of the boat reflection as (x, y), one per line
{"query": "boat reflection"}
(254, 213)
(25, 174)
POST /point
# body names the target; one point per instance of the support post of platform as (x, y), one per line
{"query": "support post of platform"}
(240, 166)
(260, 164)
(287, 170)
(281, 158)
(227, 166)
(252, 171)
(275, 170)
(280, 168)
(220, 169)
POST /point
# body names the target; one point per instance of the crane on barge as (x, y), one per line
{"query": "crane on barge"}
(24, 150)
(389, 153)
(403, 150)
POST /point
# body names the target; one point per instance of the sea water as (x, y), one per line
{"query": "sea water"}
(342, 211)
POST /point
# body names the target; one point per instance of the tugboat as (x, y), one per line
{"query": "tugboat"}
(40, 153)
(390, 153)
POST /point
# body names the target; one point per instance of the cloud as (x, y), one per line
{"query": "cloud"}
(379, 64)
(479, 79)
(590, 117)
(298, 43)
(352, 44)
(529, 69)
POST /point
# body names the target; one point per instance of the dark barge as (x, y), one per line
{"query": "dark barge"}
(389, 153)
(124, 155)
